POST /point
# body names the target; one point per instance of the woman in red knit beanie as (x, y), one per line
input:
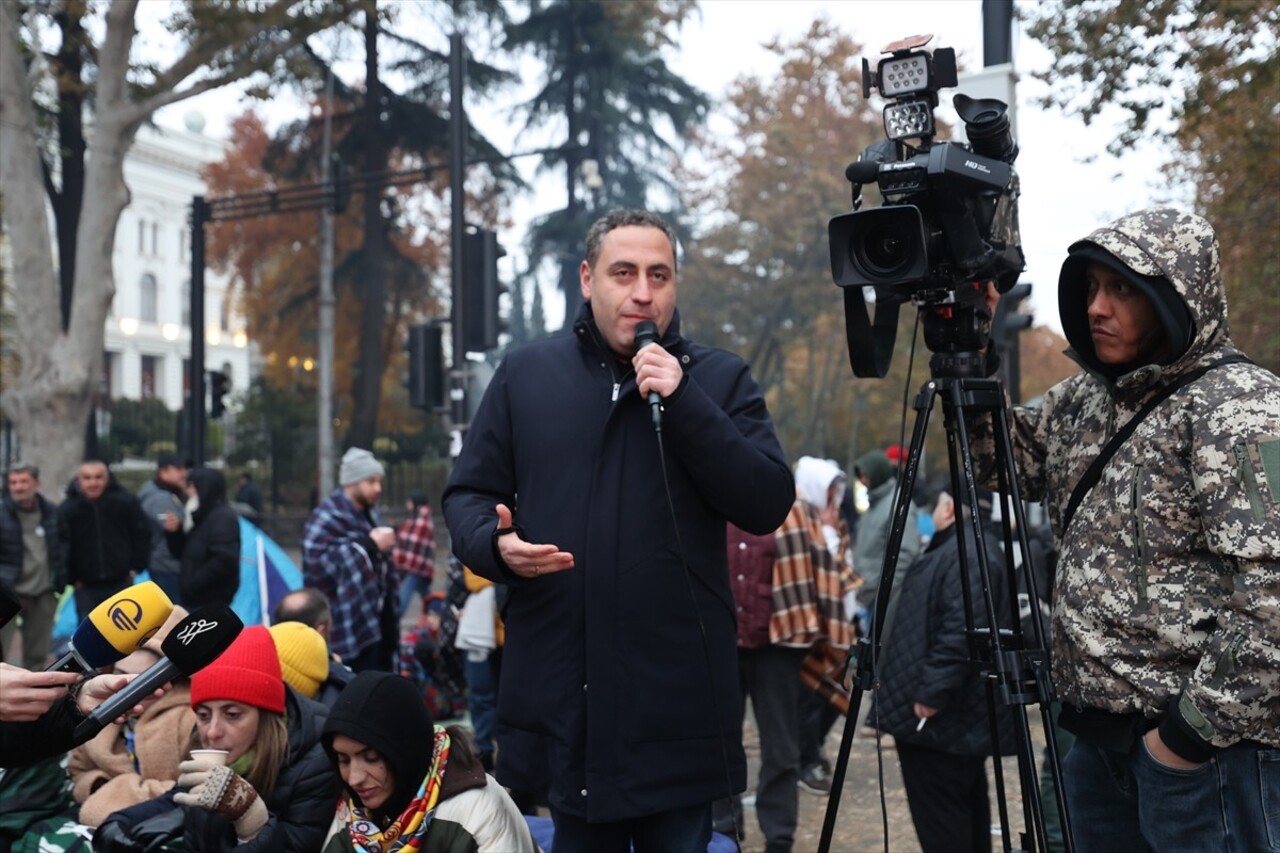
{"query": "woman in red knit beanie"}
(277, 789)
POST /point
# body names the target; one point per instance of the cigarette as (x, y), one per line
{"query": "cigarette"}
(920, 725)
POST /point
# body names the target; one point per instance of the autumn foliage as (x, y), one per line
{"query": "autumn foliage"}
(275, 260)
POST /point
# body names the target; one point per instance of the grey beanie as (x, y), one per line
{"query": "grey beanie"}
(357, 463)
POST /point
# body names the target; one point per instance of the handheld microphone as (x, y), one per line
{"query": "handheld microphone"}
(190, 646)
(647, 333)
(115, 628)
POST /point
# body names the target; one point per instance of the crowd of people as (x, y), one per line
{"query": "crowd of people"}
(635, 563)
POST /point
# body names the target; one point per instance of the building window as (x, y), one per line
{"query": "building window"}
(186, 302)
(155, 238)
(148, 298)
(142, 237)
(149, 382)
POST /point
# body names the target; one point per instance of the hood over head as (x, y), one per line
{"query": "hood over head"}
(813, 480)
(210, 485)
(1171, 257)
(385, 712)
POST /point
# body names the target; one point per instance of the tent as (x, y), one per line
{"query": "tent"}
(266, 574)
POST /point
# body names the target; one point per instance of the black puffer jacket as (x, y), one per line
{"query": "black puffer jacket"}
(300, 808)
(926, 657)
(104, 539)
(210, 552)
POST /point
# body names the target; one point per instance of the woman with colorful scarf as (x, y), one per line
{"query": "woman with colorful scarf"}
(412, 785)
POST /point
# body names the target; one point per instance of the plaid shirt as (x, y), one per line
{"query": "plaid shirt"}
(340, 560)
(415, 551)
(808, 585)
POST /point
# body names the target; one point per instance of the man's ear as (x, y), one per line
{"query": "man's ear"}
(584, 278)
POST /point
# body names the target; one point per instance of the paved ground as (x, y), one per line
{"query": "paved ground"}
(861, 819)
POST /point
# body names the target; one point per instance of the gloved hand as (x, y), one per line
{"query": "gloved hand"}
(221, 789)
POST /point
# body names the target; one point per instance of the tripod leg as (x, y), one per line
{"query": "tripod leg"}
(1044, 687)
(869, 647)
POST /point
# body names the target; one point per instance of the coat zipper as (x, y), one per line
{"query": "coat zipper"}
(1250, 481)
(1139, 534)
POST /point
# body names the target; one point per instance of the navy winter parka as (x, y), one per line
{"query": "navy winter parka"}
(606, 692)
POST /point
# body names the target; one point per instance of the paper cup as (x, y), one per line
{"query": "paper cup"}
(212, 756)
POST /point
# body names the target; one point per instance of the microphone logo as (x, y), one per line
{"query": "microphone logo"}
(126, 614)
(195, 629)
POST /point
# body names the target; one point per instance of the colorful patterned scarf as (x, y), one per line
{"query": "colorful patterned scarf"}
(407, 831)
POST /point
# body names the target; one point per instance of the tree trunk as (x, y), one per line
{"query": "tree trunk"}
(367, 381)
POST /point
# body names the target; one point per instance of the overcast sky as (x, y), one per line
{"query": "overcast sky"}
(1069, 184)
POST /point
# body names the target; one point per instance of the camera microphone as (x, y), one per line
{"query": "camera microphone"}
(115, 628)
(862, 172)
(647, 333)
(189, 647)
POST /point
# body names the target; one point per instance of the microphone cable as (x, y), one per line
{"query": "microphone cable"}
(706, 648)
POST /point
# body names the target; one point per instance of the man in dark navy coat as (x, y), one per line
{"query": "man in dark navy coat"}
(619, 679)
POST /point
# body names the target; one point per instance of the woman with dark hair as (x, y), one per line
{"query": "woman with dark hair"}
(412, 785)
(276, 790)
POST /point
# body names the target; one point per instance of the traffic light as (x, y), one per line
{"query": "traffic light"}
(426, 379)
(481, 322)
(219, 387)
(1009, 320)
(1005, 326)
(340, 179)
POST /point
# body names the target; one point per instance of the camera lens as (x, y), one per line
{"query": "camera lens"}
(881, 252)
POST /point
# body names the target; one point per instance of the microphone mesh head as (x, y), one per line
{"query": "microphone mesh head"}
(646, 333)
(92, 647)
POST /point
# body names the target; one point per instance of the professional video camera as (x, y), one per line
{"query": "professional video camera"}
(949, 222)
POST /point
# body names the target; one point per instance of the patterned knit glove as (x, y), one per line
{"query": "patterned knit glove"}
(222, 790)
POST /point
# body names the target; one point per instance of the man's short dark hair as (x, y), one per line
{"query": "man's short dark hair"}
(169, 460)
(623, 219)
(24, 468)
(306, 605)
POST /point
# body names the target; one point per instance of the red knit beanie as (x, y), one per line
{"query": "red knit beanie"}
(248, 671)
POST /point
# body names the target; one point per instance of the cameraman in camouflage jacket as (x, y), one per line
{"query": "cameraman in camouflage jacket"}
(1166, 619)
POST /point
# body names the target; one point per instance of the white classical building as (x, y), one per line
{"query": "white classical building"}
(148, 334)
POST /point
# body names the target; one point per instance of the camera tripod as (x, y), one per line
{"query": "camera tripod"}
(1015, 668)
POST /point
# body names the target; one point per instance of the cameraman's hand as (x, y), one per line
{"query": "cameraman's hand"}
(991, 296)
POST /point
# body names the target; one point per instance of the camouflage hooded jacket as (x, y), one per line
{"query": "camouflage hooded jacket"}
(1167, 596)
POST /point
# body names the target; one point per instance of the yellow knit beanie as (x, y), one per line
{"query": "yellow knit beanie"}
(304, 656)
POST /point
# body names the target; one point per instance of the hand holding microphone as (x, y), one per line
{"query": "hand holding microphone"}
(658, 372)
(27, 696)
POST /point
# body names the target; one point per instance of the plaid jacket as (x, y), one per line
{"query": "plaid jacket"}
(808, 587)
(340, 560)
(415, 551)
